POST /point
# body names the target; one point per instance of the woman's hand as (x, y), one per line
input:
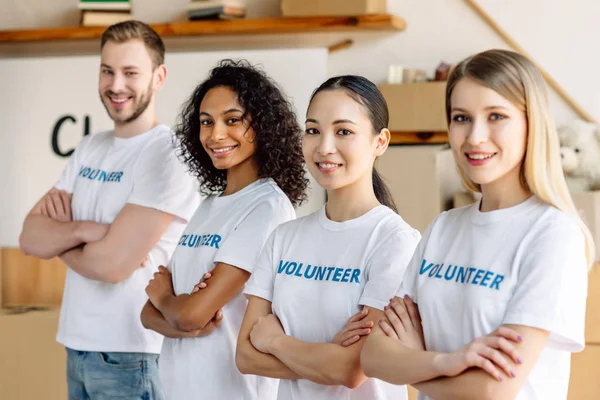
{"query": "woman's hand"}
(160, 286)
(354, 329)
(264, 331)
(404, 323)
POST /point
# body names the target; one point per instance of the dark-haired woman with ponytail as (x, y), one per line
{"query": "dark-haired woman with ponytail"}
(318, 271)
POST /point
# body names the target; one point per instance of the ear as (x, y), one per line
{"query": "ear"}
(159, 77)
(382, 142)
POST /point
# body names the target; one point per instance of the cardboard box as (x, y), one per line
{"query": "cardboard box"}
(315, 8)
(585, 375)
(416, 107)
(30, 282)
(422, 180)
(32, 364)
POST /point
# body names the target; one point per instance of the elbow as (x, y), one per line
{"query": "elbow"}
(116, 276)
(242, 360)
(368, 359)
(28, 247)
(354, 379)
(187, 319)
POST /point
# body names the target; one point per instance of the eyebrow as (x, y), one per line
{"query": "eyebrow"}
(487, 108)
(337, 121)
(125, 67)
(224, 112)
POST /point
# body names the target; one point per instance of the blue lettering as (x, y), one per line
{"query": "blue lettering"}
(470, 272)
(193, 240)
(118, 178)
(185, 238)
(86, 172)
(497, 280)
(299, 270)
(437, 274)
(182, 239)
(291, 268)
(329, 271)
(102, 177)
(486, 278)
(462, 274)
(423, 268)
(111, 177)
(282, 266)
(308, 275)
(320, 273)
(346, 275)
(434, 270)
(337, 274)
(94, 174)
(215, 241)
(477, 277)
(449, 277)
(355, 275)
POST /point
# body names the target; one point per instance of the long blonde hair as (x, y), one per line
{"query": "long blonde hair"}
(517, 79)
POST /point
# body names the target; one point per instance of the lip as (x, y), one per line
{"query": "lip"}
(328, 170)
(222, 154)
(121, 104)
(479, 162)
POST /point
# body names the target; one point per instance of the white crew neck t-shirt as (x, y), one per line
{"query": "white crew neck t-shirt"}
(104, 174)
(525, 265)
(317, 273)
(232, 230)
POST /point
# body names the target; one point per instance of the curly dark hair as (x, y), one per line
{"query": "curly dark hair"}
(278, 134)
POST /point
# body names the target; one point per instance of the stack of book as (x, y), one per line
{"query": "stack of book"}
(216, 9)
(104, 12)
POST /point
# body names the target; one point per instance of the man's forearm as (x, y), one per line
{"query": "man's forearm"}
(46, 238)
(94, 262)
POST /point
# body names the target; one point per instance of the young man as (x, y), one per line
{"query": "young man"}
(113, 217)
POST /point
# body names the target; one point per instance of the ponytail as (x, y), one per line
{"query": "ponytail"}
(382, 192)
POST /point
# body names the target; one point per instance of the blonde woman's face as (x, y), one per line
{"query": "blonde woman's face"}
(488, 133)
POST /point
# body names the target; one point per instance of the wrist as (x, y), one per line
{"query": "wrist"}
(275, 342)
(439, 362)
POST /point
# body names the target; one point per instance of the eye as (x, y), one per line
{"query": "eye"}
(460, 118)
(233, 120)
(344, 132)
(577, 150)
(107, 71)
(497, 117)
(131, 73)
(206, 122)
(312, 131)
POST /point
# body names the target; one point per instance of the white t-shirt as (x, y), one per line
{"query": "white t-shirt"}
(317, 273)
(232, 230)
(104, 173)
(524, 265)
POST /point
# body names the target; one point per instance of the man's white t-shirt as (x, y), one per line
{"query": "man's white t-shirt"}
(525, 265)
(104, 174)
(318, 273)
(232, 230)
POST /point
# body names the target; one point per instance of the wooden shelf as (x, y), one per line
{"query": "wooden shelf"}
(419, 138)
(383, 22)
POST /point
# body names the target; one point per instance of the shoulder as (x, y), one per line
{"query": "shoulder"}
(391, 225)
(555, 227)
(95, 139)
(160, 142)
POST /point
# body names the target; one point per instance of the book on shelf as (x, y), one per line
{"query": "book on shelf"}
(103, 18)
(216, 9)
(105, 5)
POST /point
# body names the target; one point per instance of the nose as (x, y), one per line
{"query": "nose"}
(479, 133)
(219, 132)
(326, 144)
(117, 84)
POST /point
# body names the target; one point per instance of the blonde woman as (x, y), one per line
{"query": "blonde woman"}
(500, 285)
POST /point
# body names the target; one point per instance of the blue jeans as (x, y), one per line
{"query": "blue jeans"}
(105, 376)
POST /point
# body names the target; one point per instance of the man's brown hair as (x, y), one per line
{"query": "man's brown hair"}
(132, 29)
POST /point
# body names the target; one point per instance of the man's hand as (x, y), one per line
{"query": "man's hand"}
(160, 286)
(57, 205)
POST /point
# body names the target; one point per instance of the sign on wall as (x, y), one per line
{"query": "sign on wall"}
(48, 104)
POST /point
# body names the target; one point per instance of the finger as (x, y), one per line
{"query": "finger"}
(58, 204)
(50, 207)
(201, 285)
(44, 209)
(195, 289)
(208, 328)
(496, 357)
(359, 315)
(359, 325)
(505, 346)
(357, 332)
(66, 202)
(413, 312)
(350, 341)
(394, 320)
(207, 275)
(476, 360)
(508, 333)
(162, 269)
(219, 315)
(400, 310)
(387, 329)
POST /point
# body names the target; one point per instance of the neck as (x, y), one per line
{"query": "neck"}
(146, 121)
(351, 201)
(240, 176)
(504, 193)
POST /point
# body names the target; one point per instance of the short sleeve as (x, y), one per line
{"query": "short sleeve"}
(386, 268)
(162, 182)
(262, 280)
(69, 174)
(409, 280)
(551, 291)
(244, 244)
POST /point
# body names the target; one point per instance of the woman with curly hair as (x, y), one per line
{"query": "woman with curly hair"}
(347, 258)
(240, 137)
